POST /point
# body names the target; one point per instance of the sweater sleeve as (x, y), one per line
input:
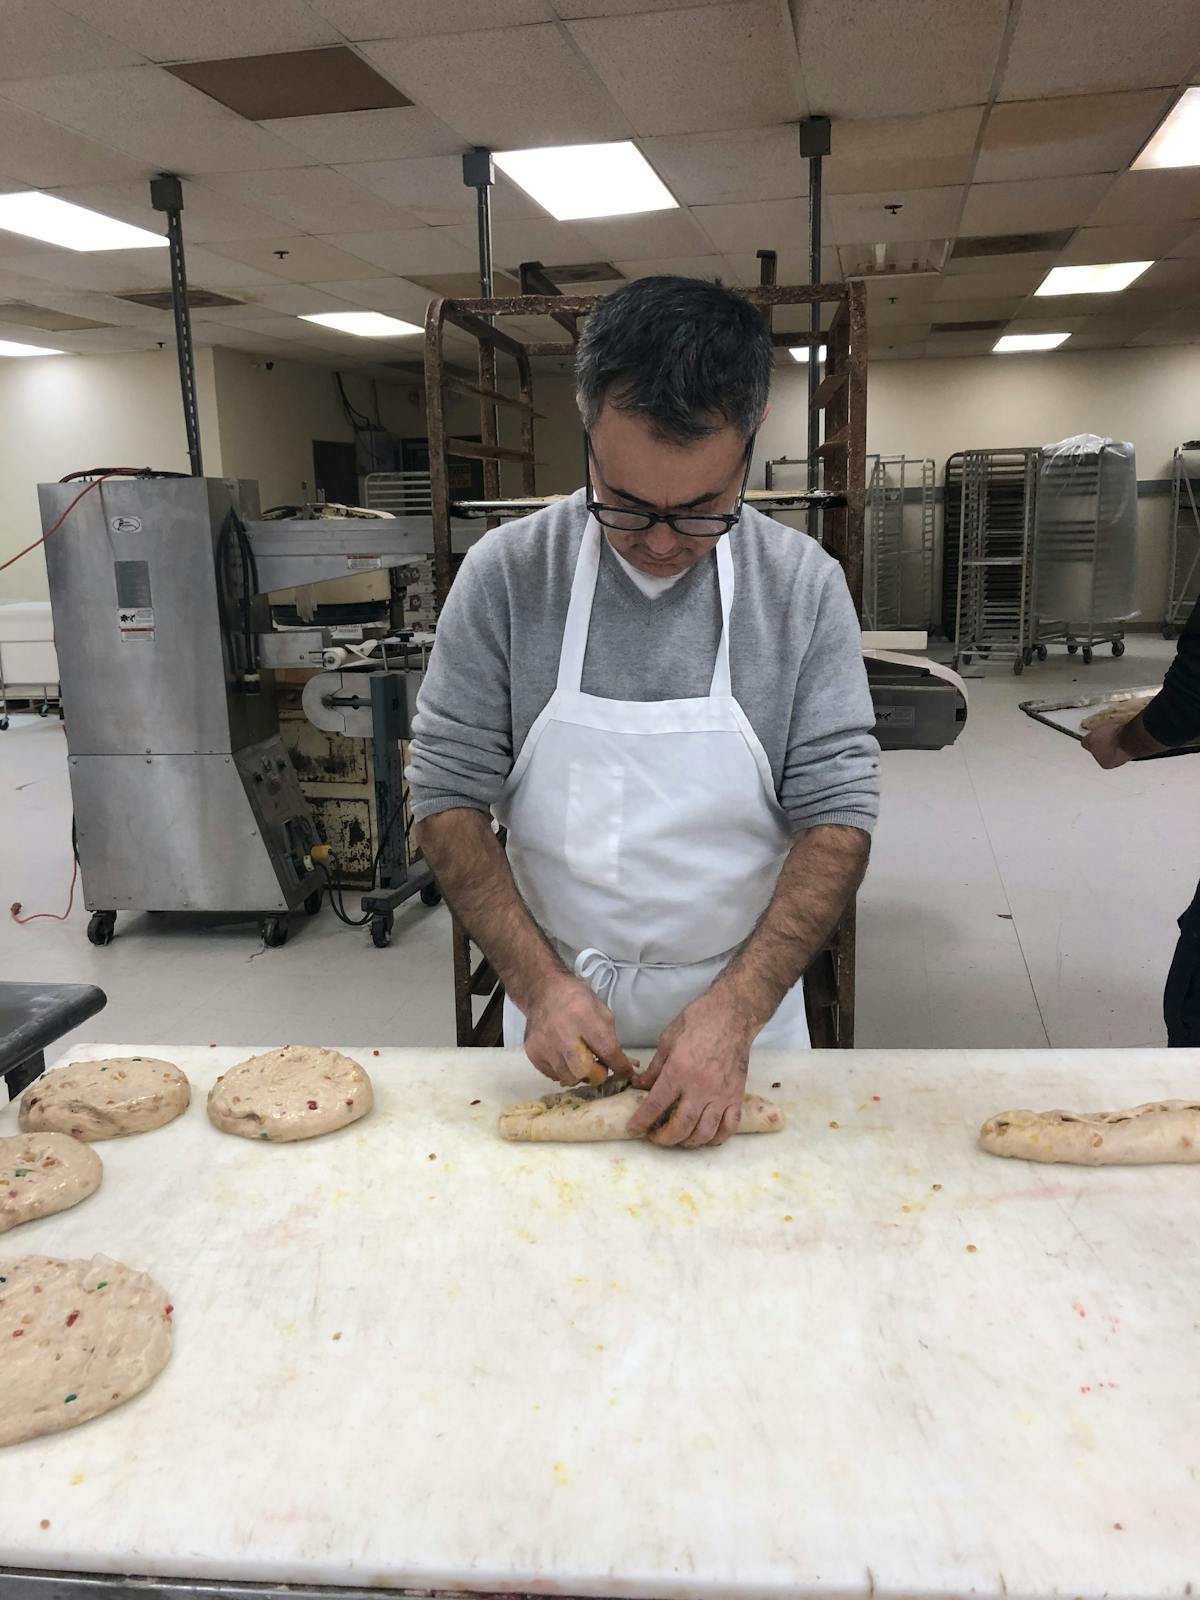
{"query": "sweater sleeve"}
(831, 770)
(462, 745)
(1173, 716)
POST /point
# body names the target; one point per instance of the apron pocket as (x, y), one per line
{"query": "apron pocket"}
(595, 812)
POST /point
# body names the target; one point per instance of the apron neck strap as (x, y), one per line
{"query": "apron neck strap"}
(583, 594)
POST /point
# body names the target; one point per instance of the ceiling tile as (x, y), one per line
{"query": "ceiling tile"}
(506, 88)
(41, 38)
(394, 295)
(1062, 324)
(1059, 47)
(703, 266)
(924, 152)
(1000, 284)
(756, 225)
(208, 218)
(298, 300)
(1188, 246)
(208, 270)
(405, 250)
(913, 350)
(659, 66)
(1183, 324)
(896, 58)
(651, 233)
(389, 134)
(528, 239)
(923, 214)
(304, 259)
(1145, 241)
(183, 30)
(310, 199)
(1158, 195)
(40, 153)
(1030, 204)
(410, 19)
(742, 266)
(1175, 282)
(147, 113)
(1038, 262)
(724, 168)
(106, 270)
(570, 10)
(952, 310)
(1066, 136)
(431, 190)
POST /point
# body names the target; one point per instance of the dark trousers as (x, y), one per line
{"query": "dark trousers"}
(1181, 998)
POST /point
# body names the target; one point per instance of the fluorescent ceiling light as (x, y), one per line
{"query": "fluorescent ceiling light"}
(9, 348)
(367, 324)
(1176, 141)
(43, 216)
(1028, 341)
(588, 180)
(800, 352)
(1106, 279)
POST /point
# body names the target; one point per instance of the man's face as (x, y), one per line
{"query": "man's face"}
(635, 470)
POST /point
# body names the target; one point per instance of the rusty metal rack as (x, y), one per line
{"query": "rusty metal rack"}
(835, 508)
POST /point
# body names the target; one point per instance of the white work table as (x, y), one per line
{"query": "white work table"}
(411, 1355)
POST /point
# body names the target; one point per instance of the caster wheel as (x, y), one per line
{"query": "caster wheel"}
(985, 649)
(1027, 656)
(1042, 652)
(1168, 631)
(1118, 647)
(275, 932)
(431, 895)
(1072, 649)
(44, 709)
(966, 660)
(1018, 666)
(3, 724)
(1087, 655)
(100, 927)
(381, 932)
(313, 904)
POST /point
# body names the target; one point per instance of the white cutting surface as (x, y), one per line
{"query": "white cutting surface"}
(773, 1369)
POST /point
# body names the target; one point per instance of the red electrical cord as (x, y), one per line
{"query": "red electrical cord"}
(101, 475)
(14, 910)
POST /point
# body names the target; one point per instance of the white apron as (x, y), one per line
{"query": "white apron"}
(645, 836)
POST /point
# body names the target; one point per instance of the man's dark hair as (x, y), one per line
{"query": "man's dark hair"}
(688, 355)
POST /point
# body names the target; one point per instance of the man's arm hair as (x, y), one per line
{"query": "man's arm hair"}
(473, 873)
(824, 867)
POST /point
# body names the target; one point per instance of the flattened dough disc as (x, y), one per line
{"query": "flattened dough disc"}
(41, 1173)
(77, 1338)
(570, 1118)
(105, 1099)
(1160, 1131)
(298, 1092)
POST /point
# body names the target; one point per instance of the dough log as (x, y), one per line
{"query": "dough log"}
(41, 1173)
(570, 1118)
(1117, 711)
(1160, 1131)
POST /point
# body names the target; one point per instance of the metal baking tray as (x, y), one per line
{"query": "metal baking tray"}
(1066, 716)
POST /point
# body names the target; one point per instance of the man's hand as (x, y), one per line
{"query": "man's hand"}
(562, 1011)
(1104, 746)
(698, 1074)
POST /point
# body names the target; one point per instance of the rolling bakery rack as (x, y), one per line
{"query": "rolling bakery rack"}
(835, 515)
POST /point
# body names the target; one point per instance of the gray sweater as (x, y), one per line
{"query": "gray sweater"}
(795, 660)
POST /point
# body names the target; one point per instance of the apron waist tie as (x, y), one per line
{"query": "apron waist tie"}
(600, 972)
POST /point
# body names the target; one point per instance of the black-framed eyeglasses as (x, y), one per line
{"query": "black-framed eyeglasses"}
(690, 524)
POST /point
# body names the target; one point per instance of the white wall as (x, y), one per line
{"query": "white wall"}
(60, 414)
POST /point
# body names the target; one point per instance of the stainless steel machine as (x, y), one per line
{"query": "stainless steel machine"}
(185, 798)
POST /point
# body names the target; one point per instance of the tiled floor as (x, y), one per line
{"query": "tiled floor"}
(1017, 896)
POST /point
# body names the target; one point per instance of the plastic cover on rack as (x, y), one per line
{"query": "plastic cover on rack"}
(1087, 524)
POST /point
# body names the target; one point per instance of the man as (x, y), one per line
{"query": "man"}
(1171, 718)
(661, 695)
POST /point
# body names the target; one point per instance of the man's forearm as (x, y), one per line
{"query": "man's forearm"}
(823, 869)
(473, 873)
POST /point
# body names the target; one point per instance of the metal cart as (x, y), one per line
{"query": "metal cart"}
(995, 557)
(1086, 543)
(890, 554)
(1183, 566)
